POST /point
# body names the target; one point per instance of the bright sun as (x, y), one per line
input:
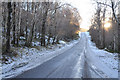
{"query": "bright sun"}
(107, 25)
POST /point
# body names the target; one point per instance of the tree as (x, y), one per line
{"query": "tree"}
(103, 42)
(4, 26)
(29, 40)
(26, 28)
(19, 23)
(113, 6)
(14, 24)
(55, 23)
(45, 12)
(9, 6)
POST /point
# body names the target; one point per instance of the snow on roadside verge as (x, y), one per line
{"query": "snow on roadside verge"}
(106, 63)
(31, 58)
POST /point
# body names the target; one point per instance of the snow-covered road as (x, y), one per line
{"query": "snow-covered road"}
(79, 61)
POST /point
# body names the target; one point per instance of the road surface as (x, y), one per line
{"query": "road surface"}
(72, 63)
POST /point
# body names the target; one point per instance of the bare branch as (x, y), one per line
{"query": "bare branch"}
(105, 4)
(117, 4)
(59, 6)
(113, 10)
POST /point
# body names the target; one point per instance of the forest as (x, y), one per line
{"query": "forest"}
(105, 32)
(46, 22)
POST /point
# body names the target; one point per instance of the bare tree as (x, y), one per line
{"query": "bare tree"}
(45, 12)
(26, 28)
(9, 6)
(113, 6)
(14, 24)
(29, 40)
(52, 21)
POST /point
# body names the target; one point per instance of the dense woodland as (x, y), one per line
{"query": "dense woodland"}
(46, 22)
(106, 38)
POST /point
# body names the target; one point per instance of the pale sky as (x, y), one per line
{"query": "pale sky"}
(86, 10)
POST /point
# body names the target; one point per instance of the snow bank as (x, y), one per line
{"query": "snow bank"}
(105, 63)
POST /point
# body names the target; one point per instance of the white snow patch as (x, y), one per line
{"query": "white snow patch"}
(21, 37)
(62, 42)
(102, 61)
(35, 43)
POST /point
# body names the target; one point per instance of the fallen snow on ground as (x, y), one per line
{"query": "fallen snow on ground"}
(105, 63)
(29, 58)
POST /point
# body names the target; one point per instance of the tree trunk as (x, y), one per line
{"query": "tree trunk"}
(57, 41)
(4, 27)
(3, 22)
(99, 26)
(55, 15)
(103, 43)
(43, 25)
(14, 10)
(8, 27)
(19, 23)
(53, 40)
(21, 30)
(48, 41)
(29, 42)
(26, 34)
(119, 38)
